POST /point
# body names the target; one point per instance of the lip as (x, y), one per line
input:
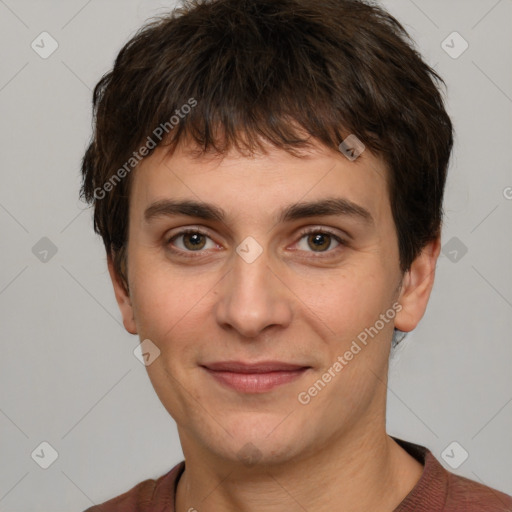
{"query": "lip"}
(261, 367)
(254, 377)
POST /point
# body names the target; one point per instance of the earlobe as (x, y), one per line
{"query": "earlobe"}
(416, 287)
(122, 297)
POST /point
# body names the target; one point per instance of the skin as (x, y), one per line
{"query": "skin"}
(295, 303)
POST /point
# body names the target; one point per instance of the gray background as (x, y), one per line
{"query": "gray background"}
(68, 375)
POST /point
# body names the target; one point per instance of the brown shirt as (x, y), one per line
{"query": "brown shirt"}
(437, 490)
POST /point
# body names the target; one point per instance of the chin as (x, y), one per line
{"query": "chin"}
(260, 439)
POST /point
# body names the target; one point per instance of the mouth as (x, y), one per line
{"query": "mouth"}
(254, 378)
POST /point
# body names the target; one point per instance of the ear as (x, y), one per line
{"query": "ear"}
(122, 298)
(417, 284)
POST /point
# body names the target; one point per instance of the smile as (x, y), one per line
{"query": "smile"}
(254, 378)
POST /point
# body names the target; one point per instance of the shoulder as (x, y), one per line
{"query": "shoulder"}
(137, 498)
(439, 490)
(144, 496)
(468, 495)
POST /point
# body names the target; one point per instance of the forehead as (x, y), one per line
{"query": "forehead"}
(260, 183)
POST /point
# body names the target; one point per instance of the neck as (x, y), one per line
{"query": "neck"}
(354, 473)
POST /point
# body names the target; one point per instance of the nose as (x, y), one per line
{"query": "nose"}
(253, 298)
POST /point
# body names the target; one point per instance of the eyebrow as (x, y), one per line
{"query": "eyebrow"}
(324, 207)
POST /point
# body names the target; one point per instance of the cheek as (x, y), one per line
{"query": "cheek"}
(346, 301)
(167, 308)
(167, 303)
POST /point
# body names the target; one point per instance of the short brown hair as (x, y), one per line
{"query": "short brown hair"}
(279, 71)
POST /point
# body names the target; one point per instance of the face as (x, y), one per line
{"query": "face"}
(288, 260)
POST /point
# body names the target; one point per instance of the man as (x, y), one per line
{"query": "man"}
(267, 178)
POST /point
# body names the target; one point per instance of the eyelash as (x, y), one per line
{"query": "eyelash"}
(302, 234)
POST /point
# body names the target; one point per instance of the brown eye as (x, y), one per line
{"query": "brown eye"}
(319, 241)
(190, 241)
(194, 241)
